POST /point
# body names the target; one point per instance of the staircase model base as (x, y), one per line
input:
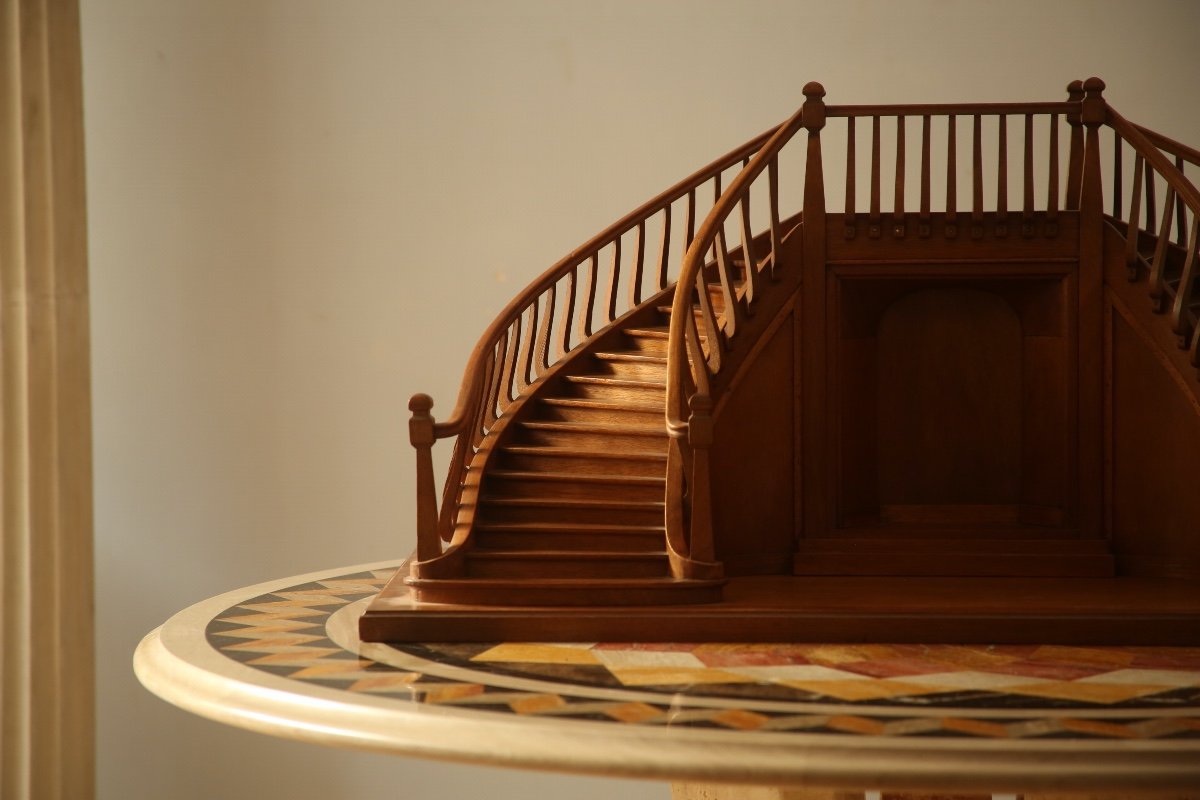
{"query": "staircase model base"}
(1073, 611)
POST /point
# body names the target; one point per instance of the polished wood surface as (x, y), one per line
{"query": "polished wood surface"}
(1000, 382)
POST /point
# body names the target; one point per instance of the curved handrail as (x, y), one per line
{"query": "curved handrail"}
(1182, 199)
(503, 360)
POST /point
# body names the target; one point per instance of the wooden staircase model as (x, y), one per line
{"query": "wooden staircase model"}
(943, 420)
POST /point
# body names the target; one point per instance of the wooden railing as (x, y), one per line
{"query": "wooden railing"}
(577, 297)
(701, 336)
(1161, 242)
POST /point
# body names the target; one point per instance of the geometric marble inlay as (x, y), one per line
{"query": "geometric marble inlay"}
(903, 690)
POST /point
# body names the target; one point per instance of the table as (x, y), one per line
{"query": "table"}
(718, 721)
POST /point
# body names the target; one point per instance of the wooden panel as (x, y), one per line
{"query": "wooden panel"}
(753, 508)
(1156, 462)
(949, 400)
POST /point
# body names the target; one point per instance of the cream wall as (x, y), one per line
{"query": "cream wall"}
(302, 212)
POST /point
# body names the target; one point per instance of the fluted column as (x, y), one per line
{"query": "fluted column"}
(46, 619)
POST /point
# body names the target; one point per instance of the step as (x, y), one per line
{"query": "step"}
(579, 460)
(563, 510)
(594, 592)
(566, 409)
(631, 365)
(550, 536)
(522, 483)
(559, 564)
(598, 387)
(586, 435)
(648, 340)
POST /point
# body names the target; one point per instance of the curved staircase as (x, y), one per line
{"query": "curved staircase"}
(728, 436)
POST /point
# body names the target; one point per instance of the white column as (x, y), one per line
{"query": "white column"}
(46, 606)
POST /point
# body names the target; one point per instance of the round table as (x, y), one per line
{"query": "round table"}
(717, 720)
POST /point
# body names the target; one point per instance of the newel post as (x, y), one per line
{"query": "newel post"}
(420, 433)
(700, 437)
(814, 179)
(1075, 153)
(1091, 313)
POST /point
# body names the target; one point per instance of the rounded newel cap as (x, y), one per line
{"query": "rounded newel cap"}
(1093, 84)
(813, 90)
(1075, 86)
(420, 402)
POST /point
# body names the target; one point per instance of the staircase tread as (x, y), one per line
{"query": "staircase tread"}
(618, 382)
(637, 480)
(664, 582)
(659, 332)
(580, 452)
(640, 358)
(593, 427)
(569, 527)
(574, 402)
(574, 555)
(574, 502)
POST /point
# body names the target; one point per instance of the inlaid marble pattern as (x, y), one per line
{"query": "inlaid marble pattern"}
(1001, 692)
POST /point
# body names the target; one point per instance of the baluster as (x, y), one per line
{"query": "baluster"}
(1002, 178)
(664, 248)
(1183, 293)
(691, 219)
(977, 180)
(420, 433)
(589, 294)
(898, 199)
(1075, 159)
(1180, 217)
(543, 341)
(712, 332)
(1052, 181)
(639, 260)
(700, 437)
(528, 371)
(491, 397)
(508, 376)
(951, 178)
(1132, 233)
(873, 218)
(479, 425)
(716, 188)
(567, 322)
(614, 280)
(1027, 215)
(1151, 205)
(1118, 175)
(750, 277)
(1158, 269)
(923, 226)
(851, 212)
(773, 192)
(728, 291)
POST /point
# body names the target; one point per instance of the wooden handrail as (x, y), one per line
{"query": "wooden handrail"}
(514, 350)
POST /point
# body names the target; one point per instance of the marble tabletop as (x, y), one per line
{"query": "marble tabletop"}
(284, 658)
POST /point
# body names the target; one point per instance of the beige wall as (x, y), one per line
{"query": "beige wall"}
(302, 212)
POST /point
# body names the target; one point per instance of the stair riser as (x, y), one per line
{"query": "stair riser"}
(631, 370)
(590, 596)
(633, 465)
(522, 487)
(607, 442)
(582, 542)
(637, 395)
(646, 345)
(490, 512)
(600, 416)
(479, 566)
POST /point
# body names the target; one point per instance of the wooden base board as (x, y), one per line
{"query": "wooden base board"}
(1075, 611)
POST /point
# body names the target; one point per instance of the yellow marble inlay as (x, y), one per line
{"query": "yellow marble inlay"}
(539, 654)
(864, 689)
(1086, 692)
(675, 676)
